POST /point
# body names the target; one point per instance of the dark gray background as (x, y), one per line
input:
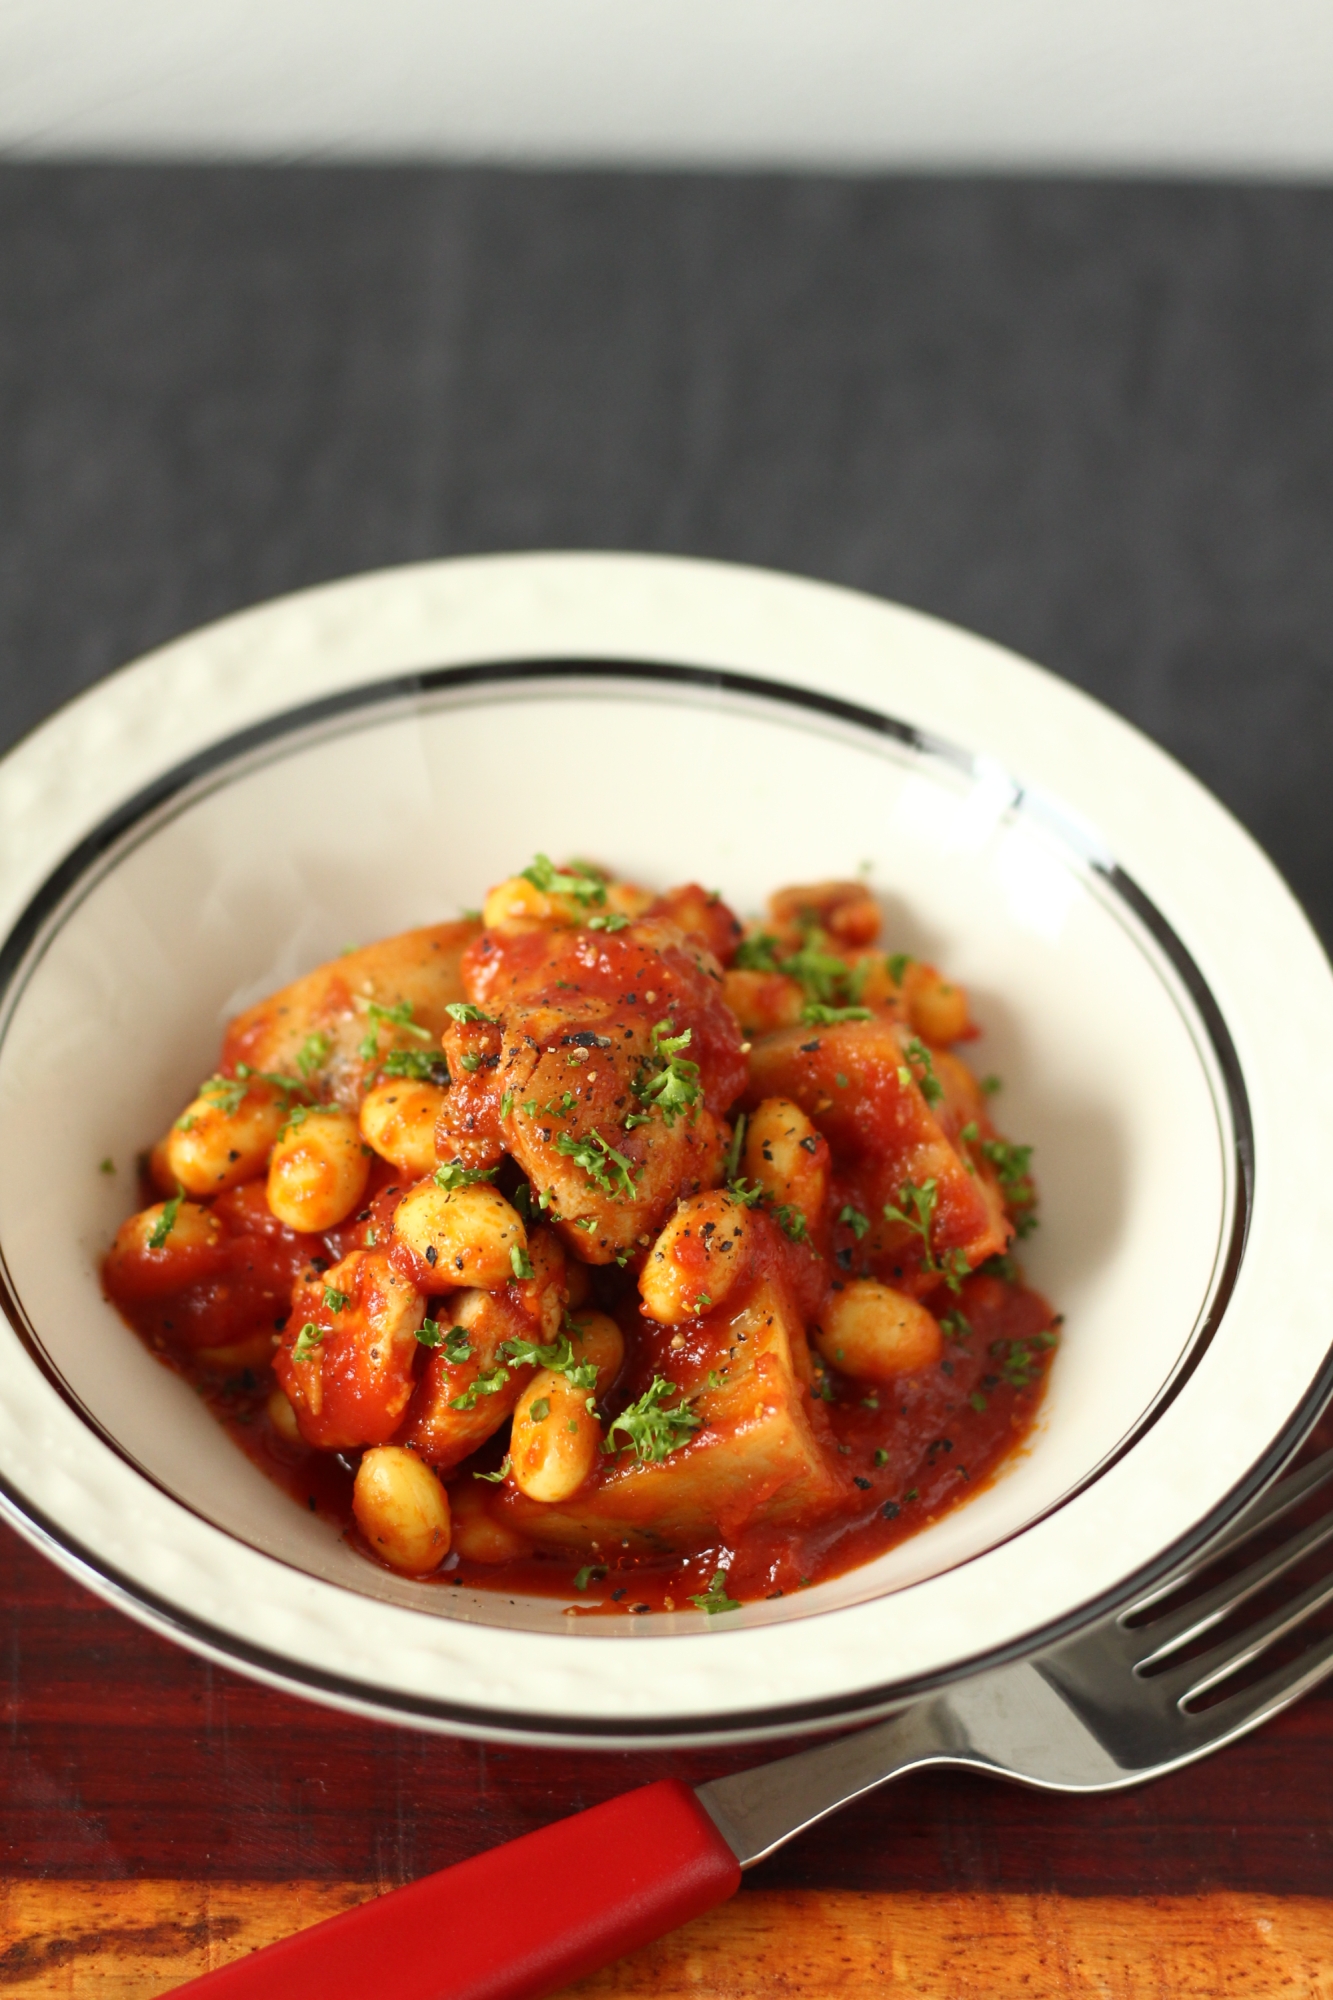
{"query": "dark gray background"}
(1094, 421)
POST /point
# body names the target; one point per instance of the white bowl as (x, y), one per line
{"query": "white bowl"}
(342, 764)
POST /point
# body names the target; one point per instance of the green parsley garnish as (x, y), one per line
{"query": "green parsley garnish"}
(757, 953)
(791, 1222)
(743, 1191)
(454, 1175)
(1011, 1165)
(307, 1340)
(898, 962)
(956, 1327)
(605, 1167)
(485, 1385)
(978, 1401)
(612, 921)
(590, 1573)
(496, 1477)
(417, 1066)
(669, 1082)
(389, 1017)
(881, 1456)
(519, 1261)
(166, 1222)
(552, 881)
(463, 1011)
(108, 1166)
(858, 1224)
(314, 1052)
(715, 1598)
(923, 1068)
(506, 1104)
(558, 1356)
(953, 1267)
(334, 1300)
(652, 1431)
(990, 1084)
(540, 1410)
(815, 1014)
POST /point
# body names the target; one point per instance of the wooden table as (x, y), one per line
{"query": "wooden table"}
(159, 1815)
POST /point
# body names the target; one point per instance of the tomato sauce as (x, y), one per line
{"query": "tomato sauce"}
(918, 1202)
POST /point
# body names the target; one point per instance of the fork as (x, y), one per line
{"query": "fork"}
(1120, 1702)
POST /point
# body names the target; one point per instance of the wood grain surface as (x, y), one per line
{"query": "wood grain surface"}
(135, 1940)
(158, 1815)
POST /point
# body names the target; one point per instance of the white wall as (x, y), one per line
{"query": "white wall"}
(1212, 86)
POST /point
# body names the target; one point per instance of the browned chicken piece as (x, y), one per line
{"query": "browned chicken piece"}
(604, 1064)
(336, 1026)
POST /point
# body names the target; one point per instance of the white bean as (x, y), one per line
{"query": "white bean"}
(462, 1236)
(872, 1333)
(401, 1509)
(697, 1258)
(318, 1170)
(555, 1437)
(398, 1120)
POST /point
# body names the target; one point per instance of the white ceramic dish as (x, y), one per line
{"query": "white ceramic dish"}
(342, 764)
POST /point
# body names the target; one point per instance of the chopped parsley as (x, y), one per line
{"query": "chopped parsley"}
(923, 1070)
(791, 1222)
(858, 1224)
(463, 1011)
(496, 1477)
(604, 1166)
(307, 1340)
(590, 1573)
(166, 1222)
(956, 1327)
(485, 1385)
(815, 1014)
(990, 1084)
(389, 1017)
(314, 1052)
(757, 953)
(715, 1598)
(417, 1066)
(612, 921)
(978, 1401)
(669, 1081)
(747, 1194)
(543, 874)
(454, 1175)
(558, 1356)
(953, 1267)
(334, 1300)
(519, 1262)
(652, 1430)
(506, 1104)
(898, 962)
(1011, 1164)
(107, 1166)
(457, 1347)
(540, 1410)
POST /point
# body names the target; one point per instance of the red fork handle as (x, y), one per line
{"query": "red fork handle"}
(513, 1924)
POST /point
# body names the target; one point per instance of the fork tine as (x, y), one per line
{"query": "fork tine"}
(1250, 1706)
(1168, 1634)
(1281, 1497)
(1194, 1677)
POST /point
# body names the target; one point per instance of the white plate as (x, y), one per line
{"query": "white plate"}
(342, 764)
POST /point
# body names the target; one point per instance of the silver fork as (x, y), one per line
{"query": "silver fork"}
(1094, 1713)
(1106, 1709)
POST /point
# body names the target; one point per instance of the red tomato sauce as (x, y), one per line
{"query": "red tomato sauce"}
(920, 1198)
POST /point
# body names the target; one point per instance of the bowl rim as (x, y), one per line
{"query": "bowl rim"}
(706, 593)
